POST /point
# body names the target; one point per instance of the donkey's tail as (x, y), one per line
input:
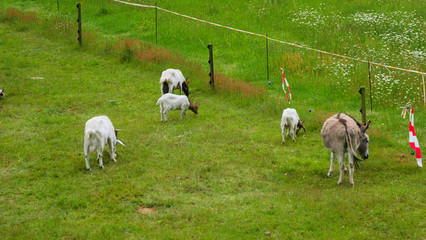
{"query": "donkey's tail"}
(357, 161)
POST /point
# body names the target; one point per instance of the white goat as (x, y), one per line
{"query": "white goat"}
(170, 101)
(98, 132)
(291, 121)
(172, 79)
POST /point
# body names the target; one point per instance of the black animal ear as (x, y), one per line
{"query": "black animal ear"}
(185, 88)
(367, 126)
(116, 131)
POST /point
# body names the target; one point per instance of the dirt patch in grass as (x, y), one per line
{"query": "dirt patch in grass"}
(146, 210)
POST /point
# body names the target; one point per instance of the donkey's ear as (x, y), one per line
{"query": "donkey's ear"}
(367, 126)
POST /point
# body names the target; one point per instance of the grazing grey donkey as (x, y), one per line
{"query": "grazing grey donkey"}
(342, 134)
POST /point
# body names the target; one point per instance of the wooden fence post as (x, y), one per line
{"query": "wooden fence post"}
(363, 112)
(211, 74)
(80, 39)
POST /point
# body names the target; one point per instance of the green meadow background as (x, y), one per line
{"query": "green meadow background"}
(224, 173)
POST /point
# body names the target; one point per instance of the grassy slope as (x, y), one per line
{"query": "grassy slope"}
(221, 174)
(388, 32)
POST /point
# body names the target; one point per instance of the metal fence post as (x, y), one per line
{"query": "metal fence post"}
(363, 112)
(424, 90)
(267, 58)
(369, 81)
(211, 74)
(80, 39)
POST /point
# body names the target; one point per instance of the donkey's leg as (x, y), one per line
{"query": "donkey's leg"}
(351, 169)
(332, 159)
(341, 160)
(346, 170)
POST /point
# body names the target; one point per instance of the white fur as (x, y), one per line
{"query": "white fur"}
(174, 79)
(170, 101)
(289, 120)
(99, 132)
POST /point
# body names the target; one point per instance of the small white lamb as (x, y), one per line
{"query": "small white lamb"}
(98, 132)
(291, 121)
(170, 101)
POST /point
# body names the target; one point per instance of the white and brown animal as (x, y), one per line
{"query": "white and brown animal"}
(291, 121)
(342, 134)
(170, 101)
(172, 79)
(99, 132)
(2, 93)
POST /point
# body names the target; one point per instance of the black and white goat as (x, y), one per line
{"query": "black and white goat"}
(291, 121)
(172, 79)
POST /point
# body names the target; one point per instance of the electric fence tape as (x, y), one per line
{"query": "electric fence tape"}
(272, 39)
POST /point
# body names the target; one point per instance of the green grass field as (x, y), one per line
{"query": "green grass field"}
(221, 174)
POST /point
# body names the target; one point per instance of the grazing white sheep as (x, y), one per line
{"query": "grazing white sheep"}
(172, 79)
(99, 132)
(342, 134)
(170, 101)
(291, 121)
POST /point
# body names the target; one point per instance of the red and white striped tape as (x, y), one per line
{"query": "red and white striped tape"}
(284, 80)
(414, 143)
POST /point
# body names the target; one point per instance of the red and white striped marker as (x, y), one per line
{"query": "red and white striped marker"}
(288, 86)
(414, 143)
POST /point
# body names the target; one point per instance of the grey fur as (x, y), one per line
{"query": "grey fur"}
(342, 134)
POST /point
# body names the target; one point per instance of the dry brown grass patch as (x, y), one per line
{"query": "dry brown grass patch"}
(146, 210)
(28, 17)
(241, 87)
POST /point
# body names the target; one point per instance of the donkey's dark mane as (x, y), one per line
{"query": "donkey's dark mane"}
(357, 123)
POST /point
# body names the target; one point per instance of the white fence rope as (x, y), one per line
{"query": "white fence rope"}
(272, 39)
